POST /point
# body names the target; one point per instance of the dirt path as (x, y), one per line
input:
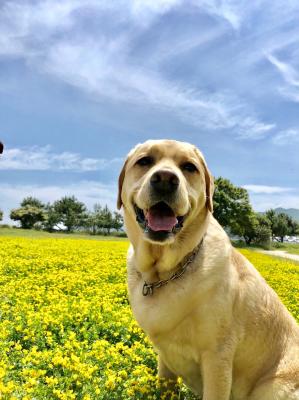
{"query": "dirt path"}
(281, 253)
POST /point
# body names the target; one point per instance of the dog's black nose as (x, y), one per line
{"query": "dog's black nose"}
(164, 181)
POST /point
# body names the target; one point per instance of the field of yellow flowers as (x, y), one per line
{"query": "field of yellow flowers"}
(66, 329)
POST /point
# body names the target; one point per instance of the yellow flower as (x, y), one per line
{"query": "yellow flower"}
(110, 383)
(66, 327)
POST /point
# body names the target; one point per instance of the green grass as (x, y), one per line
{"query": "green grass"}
(292, 248)
(31, 233)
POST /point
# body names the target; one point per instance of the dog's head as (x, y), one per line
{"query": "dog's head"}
(163, 186)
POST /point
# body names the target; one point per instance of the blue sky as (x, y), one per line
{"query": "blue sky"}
(83, 81)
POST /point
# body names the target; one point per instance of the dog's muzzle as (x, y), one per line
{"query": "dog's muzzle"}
(164, 182)
(159, 222)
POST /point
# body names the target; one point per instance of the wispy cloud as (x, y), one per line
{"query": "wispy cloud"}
(144, 11)
(101, 78)
(289, 74)
(19, 23)
(252, 128)
(43, 159)
(229, 10)
(266, 189)
(188, 42)
(89, 192)
(265, 201)
(286, 137)
(44, 36)
(264, 197)
(290, 93)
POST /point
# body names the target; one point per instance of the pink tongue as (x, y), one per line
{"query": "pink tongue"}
(159, 222)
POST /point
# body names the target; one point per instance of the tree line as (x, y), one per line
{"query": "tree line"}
(234, 212)
(232, 209)
(67, 214)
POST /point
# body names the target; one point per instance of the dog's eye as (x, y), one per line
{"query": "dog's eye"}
(188, 166)
(145, 161)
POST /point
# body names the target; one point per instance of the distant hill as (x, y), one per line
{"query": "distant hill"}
(292, 212)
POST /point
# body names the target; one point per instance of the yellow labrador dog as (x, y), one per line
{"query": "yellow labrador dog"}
(211, 317)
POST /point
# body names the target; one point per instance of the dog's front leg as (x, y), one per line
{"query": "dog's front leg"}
(165, 373)
(217, 376)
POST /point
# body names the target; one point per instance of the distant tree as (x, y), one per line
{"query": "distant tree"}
(51, 221)
(281, 226)
(271, 217)
(263, 220)
(293, 225)
(93, 220)
(70, 212)
(263, 235)
(101, 219)
(90, 223)
(28, 216)
(1, 215)
(105, 222)
(30, 213)
(117, 221)
(232, 209)
(248, 227)
(32, 201)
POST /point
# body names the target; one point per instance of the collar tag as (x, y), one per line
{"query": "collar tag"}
(148, 289)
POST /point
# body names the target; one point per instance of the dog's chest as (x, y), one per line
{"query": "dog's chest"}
(164, 310)
(178, 352)
(177, 336)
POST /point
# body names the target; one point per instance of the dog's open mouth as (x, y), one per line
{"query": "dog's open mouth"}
(159, 221)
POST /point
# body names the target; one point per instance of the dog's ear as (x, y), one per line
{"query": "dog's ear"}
(209, 181)
(1, 147)
(209, 188)
(120, 184)
(122, 176)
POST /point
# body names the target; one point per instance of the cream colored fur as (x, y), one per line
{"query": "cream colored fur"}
(220, 326)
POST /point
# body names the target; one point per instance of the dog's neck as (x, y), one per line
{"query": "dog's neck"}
(155, 261)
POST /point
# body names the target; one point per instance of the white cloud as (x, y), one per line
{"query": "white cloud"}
(289, 74)
(290, 93)
(99, 63)
(144, 11)
(89, 192)
(257, 189)
(229, 10)
(264, 197)
(19, 23)
(251, 128)
(263, 202)
(43, 159)
(186, 43)
(100, 77)
(286, 137)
